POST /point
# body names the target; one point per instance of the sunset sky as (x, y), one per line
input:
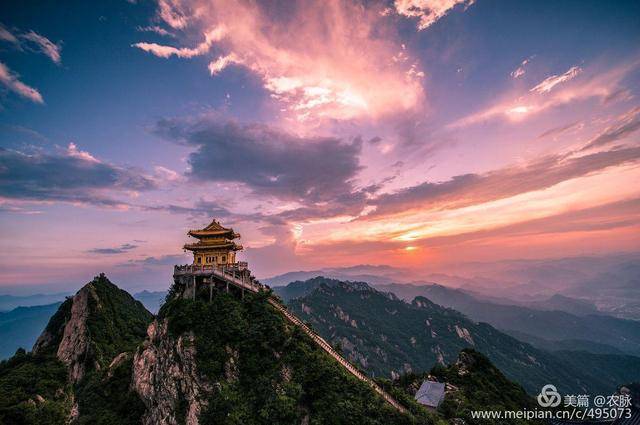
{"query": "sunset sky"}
(413, 133)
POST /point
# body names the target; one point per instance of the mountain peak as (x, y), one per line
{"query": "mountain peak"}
(422, 302)
(89, 329)
(353, 286)
(300, 288)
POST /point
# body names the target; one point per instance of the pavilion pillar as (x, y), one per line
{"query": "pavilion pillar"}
(210, 291)
(194, 288)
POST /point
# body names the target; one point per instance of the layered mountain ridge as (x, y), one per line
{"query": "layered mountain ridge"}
(387, 337)
(538, 323)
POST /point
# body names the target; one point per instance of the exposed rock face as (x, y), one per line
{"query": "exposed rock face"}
(71, 334)
(74, 414)
(117, 361)
(164, 373)
(73, 347)
(464, 334)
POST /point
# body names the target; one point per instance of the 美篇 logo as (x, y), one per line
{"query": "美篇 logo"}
(549, 396)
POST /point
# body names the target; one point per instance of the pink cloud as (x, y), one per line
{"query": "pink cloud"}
(11, 81)
(428, 11)
(575, 85)
(330, 60)
(74, 152)
(163, 51)
(520, 71)
(624, 125)
(170, 11)
(549, 83)
(216, 66)
(473, 189)
(46, 46)
(30, 39)
(156, 29)
(6, 35)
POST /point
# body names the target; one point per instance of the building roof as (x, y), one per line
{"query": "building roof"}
(214, 229)
(430, 394)
(223, 245)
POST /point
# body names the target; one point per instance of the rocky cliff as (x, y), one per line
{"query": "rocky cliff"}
(73, 345)
(165, 375)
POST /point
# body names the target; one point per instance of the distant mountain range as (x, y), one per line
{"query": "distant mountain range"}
(374, 275)
(9, 302)
(576, 285)
(556, 322)
(611, 282)
(542, 326)
(20, 327)
(152, 300)
(387, 336)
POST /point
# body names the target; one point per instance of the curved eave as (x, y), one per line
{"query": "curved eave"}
(204, 233)
(204, 247)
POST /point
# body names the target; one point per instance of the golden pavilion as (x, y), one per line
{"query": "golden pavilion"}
(215, 246)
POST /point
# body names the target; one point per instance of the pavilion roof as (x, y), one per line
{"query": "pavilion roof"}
(214, 229)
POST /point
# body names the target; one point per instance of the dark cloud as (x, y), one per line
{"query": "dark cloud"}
(470, 189)
(350, 204)
(269, 161)
(117, 250)
(346, 204)
(200, 208)
(70, 176)
(625, 125)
